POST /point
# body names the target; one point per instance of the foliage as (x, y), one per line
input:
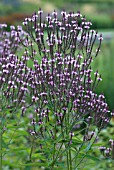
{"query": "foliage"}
(102, 21)
(49, 108)
(104, 63)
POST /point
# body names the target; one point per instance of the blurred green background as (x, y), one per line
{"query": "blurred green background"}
(101, 13)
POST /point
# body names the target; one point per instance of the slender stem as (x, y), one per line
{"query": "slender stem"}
(32, 146)
(54, 148)
(54, 161)
(67, 125)
(54, 151)
(67, 162)
(70, 159)
(1, 145)
(87, 151)
(55, 129)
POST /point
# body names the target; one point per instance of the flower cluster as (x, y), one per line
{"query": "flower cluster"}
(12, 40)
(64, 82)
(108, 152)
(69, 35)
(60, 87)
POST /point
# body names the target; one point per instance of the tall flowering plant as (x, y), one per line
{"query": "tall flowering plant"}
(53, 78)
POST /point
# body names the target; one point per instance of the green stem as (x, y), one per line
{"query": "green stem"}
(1, 148)
(70, 159)
(32, 146)
(54, 161)
(54, 143)
(54, 152)
(87, 151)
(67, 162)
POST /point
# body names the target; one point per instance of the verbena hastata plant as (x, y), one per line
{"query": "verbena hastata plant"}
(52, 84)
(13, 87)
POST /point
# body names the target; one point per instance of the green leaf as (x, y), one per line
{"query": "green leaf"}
(35, 164)
(88, 147)
(18, 149)
(61, 164)
(92, 157)
(4, 145)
